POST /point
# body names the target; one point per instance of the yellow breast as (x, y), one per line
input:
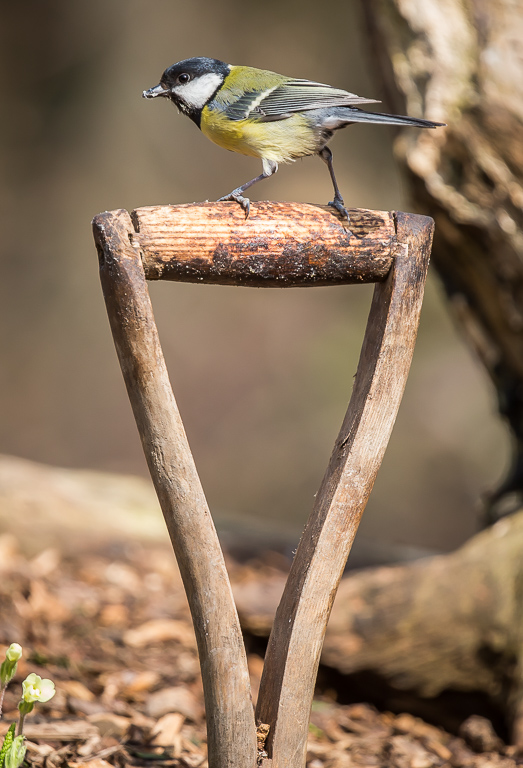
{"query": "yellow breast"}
(281, 140)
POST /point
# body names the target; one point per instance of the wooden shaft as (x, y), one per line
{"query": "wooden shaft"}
(280, 244)
(293, 654)
(230, 717)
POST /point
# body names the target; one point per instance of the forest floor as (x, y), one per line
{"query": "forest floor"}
(110, 626)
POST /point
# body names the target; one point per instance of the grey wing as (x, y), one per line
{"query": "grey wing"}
(292, 96)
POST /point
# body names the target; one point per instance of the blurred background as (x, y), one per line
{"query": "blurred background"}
(262, 377)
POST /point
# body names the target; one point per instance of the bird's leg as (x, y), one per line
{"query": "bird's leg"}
(337, 203)
(269, 167)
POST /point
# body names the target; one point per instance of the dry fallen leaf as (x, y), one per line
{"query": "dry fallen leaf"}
(109, 724)
(141, 682)
(122, 575)
(114, 615)
(175, 699)
(167, 732)
(77, 689)
(159, 630)
(45, 562)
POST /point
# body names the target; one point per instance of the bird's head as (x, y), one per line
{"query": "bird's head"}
(190, 83)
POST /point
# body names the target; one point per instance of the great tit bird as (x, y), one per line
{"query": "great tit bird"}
(262, 114)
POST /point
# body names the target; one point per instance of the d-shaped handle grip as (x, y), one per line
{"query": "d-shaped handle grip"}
(279, 245)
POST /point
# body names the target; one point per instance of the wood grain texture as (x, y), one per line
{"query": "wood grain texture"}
(280, 244)
(230, 717)
(296, 640)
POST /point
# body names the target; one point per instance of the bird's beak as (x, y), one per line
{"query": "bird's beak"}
(158, 90)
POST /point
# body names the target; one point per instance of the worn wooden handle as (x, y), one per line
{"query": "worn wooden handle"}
(279, 245)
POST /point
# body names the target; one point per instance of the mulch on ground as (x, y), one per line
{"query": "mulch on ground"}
(111, 627)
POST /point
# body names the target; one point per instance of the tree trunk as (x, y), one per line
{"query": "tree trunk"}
(462, 63)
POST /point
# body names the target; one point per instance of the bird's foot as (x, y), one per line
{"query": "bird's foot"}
(338, 205)
(237, 197)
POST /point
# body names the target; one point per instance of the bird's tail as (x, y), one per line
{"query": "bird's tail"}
(359, 116)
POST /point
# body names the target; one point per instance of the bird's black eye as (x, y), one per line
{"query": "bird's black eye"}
(184, 78)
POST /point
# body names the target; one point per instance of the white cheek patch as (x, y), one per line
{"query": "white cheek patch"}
(198, 92)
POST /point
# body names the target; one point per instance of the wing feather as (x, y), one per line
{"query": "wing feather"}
(292, 96)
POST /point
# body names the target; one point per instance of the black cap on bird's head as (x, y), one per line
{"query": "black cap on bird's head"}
(190, 84)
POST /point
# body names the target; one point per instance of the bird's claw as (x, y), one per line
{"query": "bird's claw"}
(337, 204)
(237, 197)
